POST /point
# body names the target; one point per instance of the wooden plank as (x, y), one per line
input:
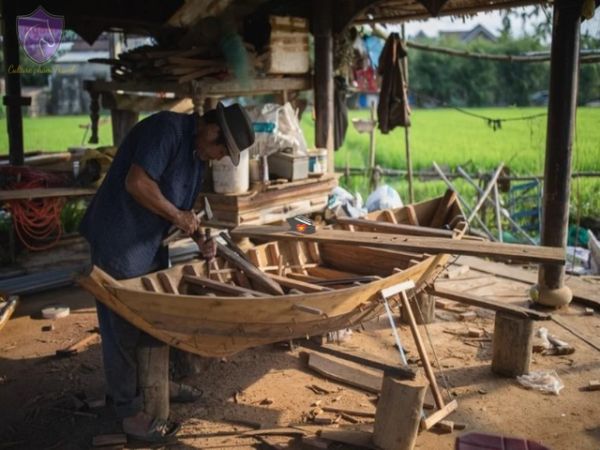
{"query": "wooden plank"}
(571, 329)
(364, 359)
(585, 293)
(395, 228)
(411, 243)
(28, 194)
(260, 279)
(352, 412)
(222, 287)
(440, 414)
(474, 300)
(297, 284)
(337, 371)
(444, 206)
(75, 348)
(8, 309)
(353, 438)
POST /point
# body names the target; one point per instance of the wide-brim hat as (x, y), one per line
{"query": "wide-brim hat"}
(237, 129)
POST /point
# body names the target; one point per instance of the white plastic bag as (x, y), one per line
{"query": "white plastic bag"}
(384, 197)
(544, 380)
(276, 128)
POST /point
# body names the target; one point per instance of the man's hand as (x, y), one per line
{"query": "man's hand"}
(187, 222)
(208, 248)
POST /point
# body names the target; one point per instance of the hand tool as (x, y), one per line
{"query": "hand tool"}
(175, 233)
(207, 236)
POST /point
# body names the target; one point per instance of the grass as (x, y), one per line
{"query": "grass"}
(451, 138)
(443, 135)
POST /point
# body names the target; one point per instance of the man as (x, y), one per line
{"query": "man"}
(152, 184)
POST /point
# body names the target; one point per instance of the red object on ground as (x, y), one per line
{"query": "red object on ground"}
(483, 441)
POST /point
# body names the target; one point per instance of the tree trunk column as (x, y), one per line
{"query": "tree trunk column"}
(564, 67)
(323, 81)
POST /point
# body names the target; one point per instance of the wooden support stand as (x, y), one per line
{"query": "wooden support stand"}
(399, 414)
(153, 379)
(512, 345)
(425, 313)
(443, 408)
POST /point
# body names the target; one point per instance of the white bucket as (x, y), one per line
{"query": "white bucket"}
(228, 179)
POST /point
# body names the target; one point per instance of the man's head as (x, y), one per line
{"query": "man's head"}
(224, 131)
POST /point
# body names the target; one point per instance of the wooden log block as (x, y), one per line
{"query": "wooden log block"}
(512, 345)
(399, 414)
(423, 306)
(153, 378)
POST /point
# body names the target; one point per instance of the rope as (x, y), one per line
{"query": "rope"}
(496, 123)
(37, 222)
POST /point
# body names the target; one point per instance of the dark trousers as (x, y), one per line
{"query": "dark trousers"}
(121, 343)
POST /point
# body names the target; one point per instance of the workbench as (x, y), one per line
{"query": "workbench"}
(270, 203)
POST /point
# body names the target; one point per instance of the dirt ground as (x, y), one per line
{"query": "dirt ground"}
(41, 407)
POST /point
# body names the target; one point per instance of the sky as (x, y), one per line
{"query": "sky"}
(492, 21)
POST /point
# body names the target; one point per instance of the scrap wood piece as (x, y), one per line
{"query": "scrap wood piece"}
(359, 357)
(350, 437)
(103, 440)
(8, 309)
(282, 431)
(443, 209)
(254, 273)
(81, 344)
(411, 243)
(583, 292)
(351, 412)
(337, 371)
(474, 300)
(396, 228)
(439, 415)
(222, 287)
(303, 286)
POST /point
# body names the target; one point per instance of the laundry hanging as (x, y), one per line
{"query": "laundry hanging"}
(393, 109)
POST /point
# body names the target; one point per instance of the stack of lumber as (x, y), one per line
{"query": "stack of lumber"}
(169, 65)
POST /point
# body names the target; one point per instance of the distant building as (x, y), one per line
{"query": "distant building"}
(477, 32)
(70, 69)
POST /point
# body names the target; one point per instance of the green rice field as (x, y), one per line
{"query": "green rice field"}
(446, 136)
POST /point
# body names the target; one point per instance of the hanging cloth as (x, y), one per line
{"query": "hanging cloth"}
(393, 109)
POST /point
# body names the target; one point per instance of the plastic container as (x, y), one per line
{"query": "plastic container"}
(317, 160)
(228, 179)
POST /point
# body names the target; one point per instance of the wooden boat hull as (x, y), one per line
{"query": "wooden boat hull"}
(224, 325)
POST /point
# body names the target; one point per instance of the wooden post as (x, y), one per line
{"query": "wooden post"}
(564, 67)
(512, 345)
(122, 122)
(12, 100)
(411, 193)
(426, 306)
(398, 414)
(153, 378)
(372, 147)
(323, 82)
